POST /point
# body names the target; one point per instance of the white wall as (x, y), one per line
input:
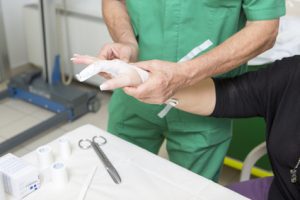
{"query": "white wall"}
(293, 8)
(13, 17)
(14, 30)
(14, 23)
(84, 34)
(91, 7)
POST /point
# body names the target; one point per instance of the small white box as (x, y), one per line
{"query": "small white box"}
(2, 192)
(20, 178)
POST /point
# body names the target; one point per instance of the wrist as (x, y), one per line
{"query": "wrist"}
(195, 70)
(188, 73)
(184, 76)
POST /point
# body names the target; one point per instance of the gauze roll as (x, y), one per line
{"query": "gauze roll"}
(45, 156)
(65, 149)
(59, 174)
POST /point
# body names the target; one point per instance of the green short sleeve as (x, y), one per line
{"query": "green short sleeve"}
(263, 9)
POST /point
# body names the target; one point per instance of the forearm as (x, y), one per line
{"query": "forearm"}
(118, 21)
(246, 95)
(252, 40)
(199, 98)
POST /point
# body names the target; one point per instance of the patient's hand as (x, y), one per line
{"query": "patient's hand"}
(119, 73)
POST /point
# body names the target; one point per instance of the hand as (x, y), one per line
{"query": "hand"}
(164, 80)
(127, 52)
(120, 73)
(87, 60)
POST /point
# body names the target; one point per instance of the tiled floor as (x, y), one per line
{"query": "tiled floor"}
(16, 116)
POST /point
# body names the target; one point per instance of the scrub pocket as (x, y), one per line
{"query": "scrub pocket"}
(208, 129)
(224, 18)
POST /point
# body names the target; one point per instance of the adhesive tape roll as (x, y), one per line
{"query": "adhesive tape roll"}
(59, 174)
(64, 148)
(45, 156)
(2, 191)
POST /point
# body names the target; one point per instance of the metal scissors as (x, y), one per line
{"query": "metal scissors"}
(95, 143)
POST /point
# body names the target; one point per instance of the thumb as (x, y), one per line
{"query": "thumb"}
(145, 65)
(125, 58)
(117, 82)
(131, 91)
(124, 55)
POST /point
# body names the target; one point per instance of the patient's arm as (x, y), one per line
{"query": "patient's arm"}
(242, 96)
(257, 93)
(198, 99)
(248, 95)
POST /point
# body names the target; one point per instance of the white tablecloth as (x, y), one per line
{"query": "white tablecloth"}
(145, 176)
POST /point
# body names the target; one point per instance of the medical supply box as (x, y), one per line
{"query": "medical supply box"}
(19, 177)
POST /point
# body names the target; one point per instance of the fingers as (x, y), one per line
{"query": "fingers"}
(118, 82)
(143, 95)
(125, 54)
(137, 92)
(131, 91)
(106, 53)
(146, 65)
(83, 59)
(115, 51)
(125, 58)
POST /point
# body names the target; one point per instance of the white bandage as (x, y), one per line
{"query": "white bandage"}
(59, 175)
(112, 67)
(65, 149)
(45, 156)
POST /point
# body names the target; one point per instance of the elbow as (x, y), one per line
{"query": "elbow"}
(271, 37)
(271, 40)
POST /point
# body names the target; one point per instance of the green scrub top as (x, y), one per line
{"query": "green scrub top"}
(168, 30)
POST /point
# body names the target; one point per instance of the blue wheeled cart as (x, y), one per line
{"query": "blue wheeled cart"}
(43, 87)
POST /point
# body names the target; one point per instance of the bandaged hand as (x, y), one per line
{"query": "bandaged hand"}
(121, 73)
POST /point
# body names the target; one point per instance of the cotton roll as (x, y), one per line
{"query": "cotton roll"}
(59, 174)
(65, 149)
(45, 156)
(2, 191)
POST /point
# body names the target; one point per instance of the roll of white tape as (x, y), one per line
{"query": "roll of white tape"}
(59, 174)
(65, 149)
(45, 156)
(2, 191)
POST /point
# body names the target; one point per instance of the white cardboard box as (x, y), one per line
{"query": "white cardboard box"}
(20, 178)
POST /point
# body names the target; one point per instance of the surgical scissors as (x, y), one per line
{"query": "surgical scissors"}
(95, 143)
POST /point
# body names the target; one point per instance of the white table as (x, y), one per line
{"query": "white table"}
(145, 176)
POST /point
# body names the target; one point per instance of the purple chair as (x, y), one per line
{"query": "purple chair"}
(256, 189)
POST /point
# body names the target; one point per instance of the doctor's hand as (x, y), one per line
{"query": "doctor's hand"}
(127, 52)
(165, 78)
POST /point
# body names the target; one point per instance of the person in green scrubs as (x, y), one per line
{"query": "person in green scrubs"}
(168, 30)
